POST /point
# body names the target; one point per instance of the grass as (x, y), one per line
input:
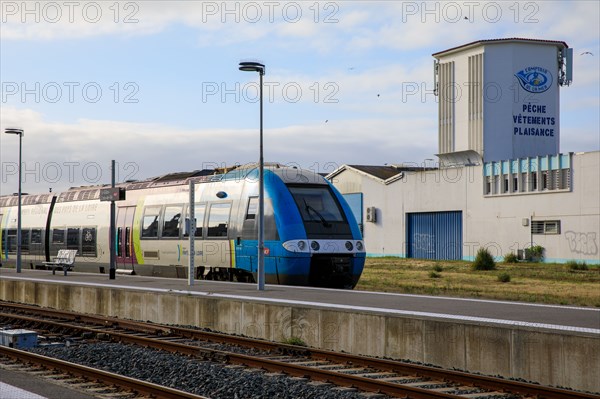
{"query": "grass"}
(529, 282)
(294, 341)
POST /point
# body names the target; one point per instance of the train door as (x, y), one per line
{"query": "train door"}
(2, 246)
(124, 239)
(216, 245)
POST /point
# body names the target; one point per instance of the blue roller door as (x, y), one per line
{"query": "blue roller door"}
(434, 235)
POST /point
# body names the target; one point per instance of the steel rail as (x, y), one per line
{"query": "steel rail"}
(143, 387)
(362, 383)
(146, 327)
(482, 381)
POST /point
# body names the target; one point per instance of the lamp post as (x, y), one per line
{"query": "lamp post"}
(21, 133)
(260, 68)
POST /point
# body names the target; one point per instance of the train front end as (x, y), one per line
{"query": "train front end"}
(321, 243)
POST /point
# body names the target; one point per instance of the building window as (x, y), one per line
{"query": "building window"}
(533, 181)
(545, 227)
(565, 179)
(523, 183)
(515, 184)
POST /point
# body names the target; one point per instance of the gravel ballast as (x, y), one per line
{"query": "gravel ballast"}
(202, 378)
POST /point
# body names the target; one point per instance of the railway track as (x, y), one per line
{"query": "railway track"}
(90, 379)
(389, 377)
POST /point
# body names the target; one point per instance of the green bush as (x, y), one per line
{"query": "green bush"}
(484, 260)
(434, 275)
(574, 265)
(295, 341)
(534, 253)
(511, 258)
(504, 277)
(438, 268)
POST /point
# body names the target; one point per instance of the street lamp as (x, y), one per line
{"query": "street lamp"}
(21, 133)
(260, 68)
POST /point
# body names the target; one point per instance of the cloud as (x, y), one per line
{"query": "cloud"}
(373, 60)
(349, 26)
(61, 155)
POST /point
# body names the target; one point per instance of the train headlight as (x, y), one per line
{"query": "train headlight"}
(301, 245)
(349, 246)
(315, 246)
(359, 246)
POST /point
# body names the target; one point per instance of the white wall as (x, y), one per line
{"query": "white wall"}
(491, 221)
(501, 63)
(504, 99)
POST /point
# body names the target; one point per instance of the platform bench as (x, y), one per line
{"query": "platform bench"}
(65, 259)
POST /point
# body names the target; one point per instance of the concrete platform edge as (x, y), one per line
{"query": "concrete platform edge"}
(556, 358)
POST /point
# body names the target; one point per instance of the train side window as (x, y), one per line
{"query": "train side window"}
(25, 240)
(58, 236)
(218, 220)
(171, 222)
(127, 242)
(119, 246)
(150, 222)
(252, 208)
(199, 211)
(36, 236)
(73, 238)
(88, 242)
(11, 240)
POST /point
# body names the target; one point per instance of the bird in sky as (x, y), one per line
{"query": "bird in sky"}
(586, 52)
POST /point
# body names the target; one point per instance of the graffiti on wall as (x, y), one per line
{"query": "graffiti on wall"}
(582, 243)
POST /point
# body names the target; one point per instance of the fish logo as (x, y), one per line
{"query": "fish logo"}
(534, 79)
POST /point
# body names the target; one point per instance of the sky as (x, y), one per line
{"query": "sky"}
(155, 85)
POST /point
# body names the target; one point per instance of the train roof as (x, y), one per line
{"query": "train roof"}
(237, 172)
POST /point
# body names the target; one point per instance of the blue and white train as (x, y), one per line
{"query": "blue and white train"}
(311, 235)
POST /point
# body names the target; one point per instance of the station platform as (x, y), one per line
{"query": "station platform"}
(549, 344)
(12, 392)
(22, 385)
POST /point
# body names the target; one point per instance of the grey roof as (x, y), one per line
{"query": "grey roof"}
(381, 172)
(385, 172)
(511, 39)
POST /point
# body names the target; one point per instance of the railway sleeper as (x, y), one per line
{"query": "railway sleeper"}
(212, 356)
(425, 383)
(293, 352)
(495, 395)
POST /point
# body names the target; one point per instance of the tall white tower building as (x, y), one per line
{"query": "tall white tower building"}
(499, 99)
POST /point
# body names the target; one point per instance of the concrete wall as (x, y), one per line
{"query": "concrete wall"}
(548, 357)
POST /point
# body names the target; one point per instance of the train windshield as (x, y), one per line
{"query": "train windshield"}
(317, 204)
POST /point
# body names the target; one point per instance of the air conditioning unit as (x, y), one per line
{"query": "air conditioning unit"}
(371, 214)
